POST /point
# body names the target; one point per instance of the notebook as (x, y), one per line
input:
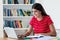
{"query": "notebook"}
(40, 37)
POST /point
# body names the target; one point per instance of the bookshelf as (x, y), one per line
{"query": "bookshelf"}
(17, 13)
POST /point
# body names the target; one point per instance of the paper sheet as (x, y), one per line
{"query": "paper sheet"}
(40, 38)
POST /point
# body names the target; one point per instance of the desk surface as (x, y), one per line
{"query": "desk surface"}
(18, 39)
(7, 39)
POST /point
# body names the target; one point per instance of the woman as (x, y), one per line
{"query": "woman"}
(40, 23)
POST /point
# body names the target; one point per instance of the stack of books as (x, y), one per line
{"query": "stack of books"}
(16, 12)
(13, 24)
(18, 1)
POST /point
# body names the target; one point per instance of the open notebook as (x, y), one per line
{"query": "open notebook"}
(40, 37)
(13, 33)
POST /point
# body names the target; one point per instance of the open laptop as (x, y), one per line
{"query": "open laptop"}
(12, 33)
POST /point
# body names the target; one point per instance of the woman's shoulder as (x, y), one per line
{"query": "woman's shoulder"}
(33, 17)
(47, 16)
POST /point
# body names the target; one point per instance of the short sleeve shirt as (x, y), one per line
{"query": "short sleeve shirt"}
(41, 26)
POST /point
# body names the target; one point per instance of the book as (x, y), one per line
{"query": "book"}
(20, 1)
(32, 1)
(20, 13)
(4, 11)
(14, 24)
(11, 24)
(8, 12)
(26, 1)
(4, 1)
(25, 13)
(10, 1)
(5, 23)
(16, 2)
(29, 12)
(39, 37)
(14, 12)
(19, 23)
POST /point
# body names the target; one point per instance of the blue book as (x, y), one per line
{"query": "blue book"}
(6, 23)
(11, 24)
(8, 12)
(10, 1)
(32, 1)
(20, 12)
(4, 11)
(16, 2)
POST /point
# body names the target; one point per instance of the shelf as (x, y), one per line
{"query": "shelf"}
(20, 28)
(16, 17)
(17, 4)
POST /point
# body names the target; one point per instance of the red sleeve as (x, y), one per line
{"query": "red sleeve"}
(31, 21)
(49, 20)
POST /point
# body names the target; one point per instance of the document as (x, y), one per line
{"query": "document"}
(40, 37)
(44, 38)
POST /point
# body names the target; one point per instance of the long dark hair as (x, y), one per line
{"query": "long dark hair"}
(39, 7)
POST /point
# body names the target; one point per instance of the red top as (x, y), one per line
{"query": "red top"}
(41, 26)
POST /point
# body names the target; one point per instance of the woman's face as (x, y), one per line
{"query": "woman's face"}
(36, 13)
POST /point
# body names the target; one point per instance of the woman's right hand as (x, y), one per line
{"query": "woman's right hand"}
(21, 36)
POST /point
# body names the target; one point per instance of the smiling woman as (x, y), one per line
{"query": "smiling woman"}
(41, 23)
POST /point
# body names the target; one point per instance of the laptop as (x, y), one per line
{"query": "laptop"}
(12, 33)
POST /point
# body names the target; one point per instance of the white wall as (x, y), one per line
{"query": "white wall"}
(52, 8)
(1, 20)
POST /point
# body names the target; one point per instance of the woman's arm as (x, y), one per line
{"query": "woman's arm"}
(28, 31)
(53, 31)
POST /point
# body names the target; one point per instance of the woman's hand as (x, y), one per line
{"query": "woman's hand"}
(21, 36)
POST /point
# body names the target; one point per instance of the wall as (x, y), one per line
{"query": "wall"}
(52, 8)
(1, 19)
